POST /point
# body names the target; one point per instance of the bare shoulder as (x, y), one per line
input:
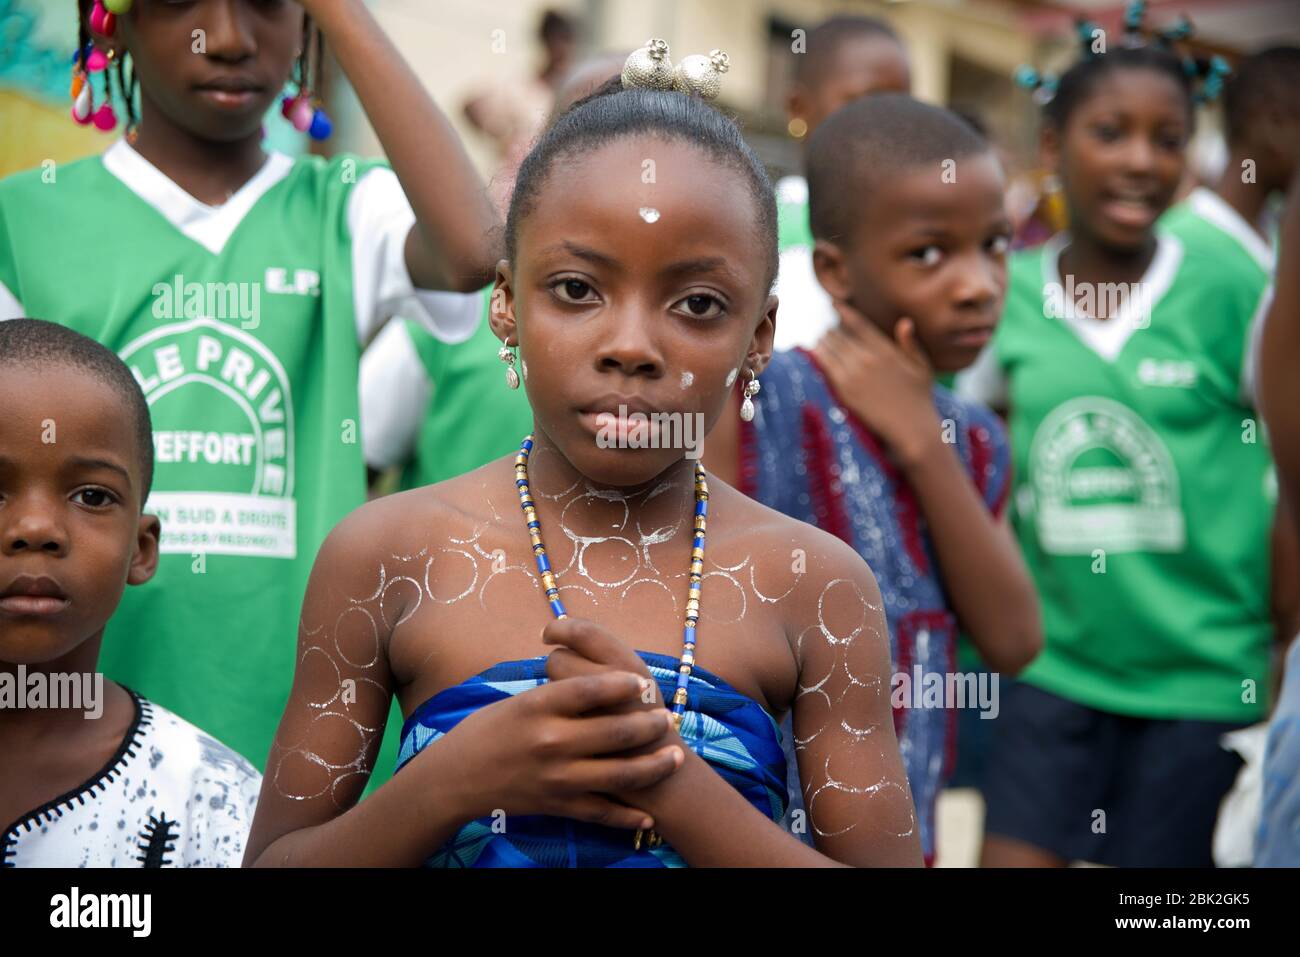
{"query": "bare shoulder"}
(405, 523)
(809, 567)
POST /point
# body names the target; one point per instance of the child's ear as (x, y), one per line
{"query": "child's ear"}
(501, 311)
(831, 267)
(760, 345)
(145, 560)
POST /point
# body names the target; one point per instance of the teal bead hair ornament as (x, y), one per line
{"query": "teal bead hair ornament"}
(1042, 86)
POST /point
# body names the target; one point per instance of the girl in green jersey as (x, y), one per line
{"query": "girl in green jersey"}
(1142, 499)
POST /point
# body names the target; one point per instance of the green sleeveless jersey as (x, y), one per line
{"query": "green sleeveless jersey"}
(243, 325)
(468, 387)
(1144, 493)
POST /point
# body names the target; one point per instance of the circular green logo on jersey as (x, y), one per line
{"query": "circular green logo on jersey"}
(223, 438)
(1102, 479)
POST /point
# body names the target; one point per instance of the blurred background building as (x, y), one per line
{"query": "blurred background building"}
(963, 54)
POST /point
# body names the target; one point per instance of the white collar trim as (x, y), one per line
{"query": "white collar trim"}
(209, 226)
(1107, 337)
(1213, 208)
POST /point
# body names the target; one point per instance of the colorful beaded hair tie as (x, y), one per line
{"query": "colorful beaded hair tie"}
(1041, 85)
(89, 59)
(104, 14)
(303, 109)
(1206, 74)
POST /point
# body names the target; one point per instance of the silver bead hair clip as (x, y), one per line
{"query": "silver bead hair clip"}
(650, 68)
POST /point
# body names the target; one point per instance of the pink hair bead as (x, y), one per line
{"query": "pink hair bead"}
(97, 14)
(105, 119)
(96, 61)
(301, 115)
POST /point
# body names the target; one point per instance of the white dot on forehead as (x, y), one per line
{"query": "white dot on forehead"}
(649, 214)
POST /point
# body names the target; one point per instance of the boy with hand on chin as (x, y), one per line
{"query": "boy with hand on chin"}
(856, 438)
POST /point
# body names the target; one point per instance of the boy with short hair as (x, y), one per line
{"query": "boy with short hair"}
(856, 437)
(136, 786)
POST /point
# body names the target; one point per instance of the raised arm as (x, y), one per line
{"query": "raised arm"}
(887, 385)
(454, 242)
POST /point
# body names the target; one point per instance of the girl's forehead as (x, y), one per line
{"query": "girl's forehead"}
(640, 158)
(643, 193)
(1135, 89)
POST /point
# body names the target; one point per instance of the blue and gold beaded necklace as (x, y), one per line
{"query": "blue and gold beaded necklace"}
(552, 591)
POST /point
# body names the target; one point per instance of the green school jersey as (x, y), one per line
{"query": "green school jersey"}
(242, 324)
(474, 417)
(792, 229)
(1205, 220)
(1144, 494)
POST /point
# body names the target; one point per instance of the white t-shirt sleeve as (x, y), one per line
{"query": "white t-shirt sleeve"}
(395, 393)
(984, 381)
(379, 220)
(805, 311)
(209, 790)
(10, 307)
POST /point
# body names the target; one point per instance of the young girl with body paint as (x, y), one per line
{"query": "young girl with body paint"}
(615, 287)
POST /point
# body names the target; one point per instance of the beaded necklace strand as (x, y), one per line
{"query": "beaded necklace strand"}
(552, 591)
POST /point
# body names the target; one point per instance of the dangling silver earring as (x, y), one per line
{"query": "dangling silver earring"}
(751, 390)
(507, 355)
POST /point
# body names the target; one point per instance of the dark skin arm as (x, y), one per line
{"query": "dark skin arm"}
(453, 243)
(544, 751)
(887, 385)
(1279, 392)
(1286, 583)
(859, 805)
